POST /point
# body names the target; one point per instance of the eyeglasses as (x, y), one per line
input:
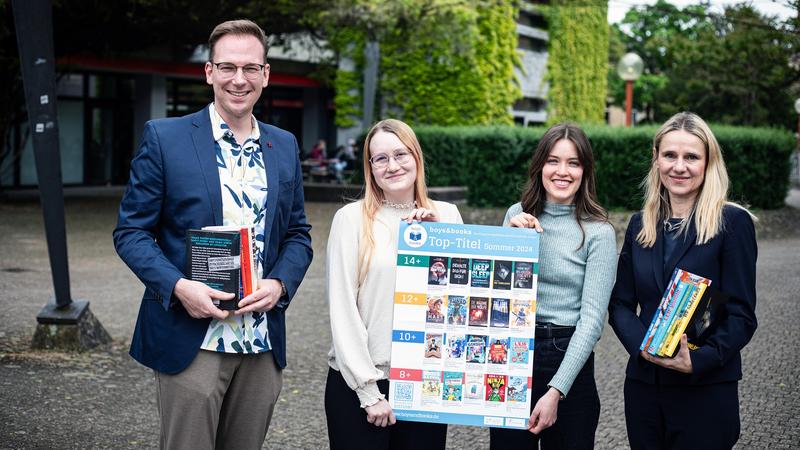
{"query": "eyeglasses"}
(381, 161)
(250, 71)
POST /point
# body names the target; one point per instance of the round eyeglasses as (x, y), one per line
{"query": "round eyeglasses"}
(250, 71)
(382, 161)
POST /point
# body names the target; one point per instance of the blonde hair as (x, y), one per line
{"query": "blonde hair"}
(373, 194)
(710, 201)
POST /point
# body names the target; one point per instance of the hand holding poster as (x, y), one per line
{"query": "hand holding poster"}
(464, 315)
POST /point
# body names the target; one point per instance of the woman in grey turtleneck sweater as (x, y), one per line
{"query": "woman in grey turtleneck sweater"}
(576, 274)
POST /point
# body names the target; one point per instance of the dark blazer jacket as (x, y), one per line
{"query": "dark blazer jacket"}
(174, 186)
(729, 260)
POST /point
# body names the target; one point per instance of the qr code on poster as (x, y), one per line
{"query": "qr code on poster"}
(403, 392)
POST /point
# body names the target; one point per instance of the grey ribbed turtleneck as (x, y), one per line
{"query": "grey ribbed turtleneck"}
(574, 284)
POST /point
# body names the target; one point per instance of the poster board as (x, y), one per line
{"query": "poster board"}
(463, 324)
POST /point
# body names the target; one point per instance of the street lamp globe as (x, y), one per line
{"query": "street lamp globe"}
(630, 67)
(797, 105)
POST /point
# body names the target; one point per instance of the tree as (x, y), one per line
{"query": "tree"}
(730, 68)
(577, 61)
(442, 62)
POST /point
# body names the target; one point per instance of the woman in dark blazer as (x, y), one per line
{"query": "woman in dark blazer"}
(691, 400)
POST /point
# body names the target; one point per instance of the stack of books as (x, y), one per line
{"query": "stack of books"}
(223, 257)
(685, 302)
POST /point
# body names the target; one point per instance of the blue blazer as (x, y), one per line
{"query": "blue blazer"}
(729, 260)
(174, 186)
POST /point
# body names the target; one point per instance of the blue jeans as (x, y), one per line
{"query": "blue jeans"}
(578, 414)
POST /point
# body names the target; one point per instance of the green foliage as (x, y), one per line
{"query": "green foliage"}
(729, 68)
(347, 98)
(493, 162)
(577, 61)
(441, 62)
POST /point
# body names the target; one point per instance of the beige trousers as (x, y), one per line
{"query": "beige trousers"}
(221, 401)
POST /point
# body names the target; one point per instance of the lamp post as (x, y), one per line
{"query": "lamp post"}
(629, 69)
(797, 109)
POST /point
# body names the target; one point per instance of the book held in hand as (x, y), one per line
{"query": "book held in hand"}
(686, 306)
(222, 257)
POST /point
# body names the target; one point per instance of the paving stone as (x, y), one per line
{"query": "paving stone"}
(104, 399)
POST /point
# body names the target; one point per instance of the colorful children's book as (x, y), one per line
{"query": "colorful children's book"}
(452, 386)
(456, 310)
(684, 293)
(496, 388)
(517, 391)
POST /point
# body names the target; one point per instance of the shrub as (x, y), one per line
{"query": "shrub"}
(492, 162)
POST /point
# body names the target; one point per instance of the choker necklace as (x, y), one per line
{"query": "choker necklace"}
(671, 226)
(393, 205)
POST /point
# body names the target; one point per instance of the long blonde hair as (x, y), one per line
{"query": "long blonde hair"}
(373, 194)
(712, 198)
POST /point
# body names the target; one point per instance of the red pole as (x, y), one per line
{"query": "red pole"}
(628, 102)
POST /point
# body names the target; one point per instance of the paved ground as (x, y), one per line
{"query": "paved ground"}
(104, 399)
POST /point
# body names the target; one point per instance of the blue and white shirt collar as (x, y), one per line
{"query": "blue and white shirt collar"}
(221, 129)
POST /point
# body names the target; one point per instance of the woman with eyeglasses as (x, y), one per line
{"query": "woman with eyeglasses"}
(361, 267)
(689, 401)
(577, 254)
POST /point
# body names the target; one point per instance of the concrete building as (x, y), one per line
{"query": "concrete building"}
(103, 104)
(532, 35)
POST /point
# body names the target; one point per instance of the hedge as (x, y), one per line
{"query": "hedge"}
(492, 162)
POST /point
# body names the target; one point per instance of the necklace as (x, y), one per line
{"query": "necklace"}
(671, 226)
(393, 205)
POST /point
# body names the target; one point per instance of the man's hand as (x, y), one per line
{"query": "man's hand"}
(380, 414)
(682, 362)
(263, 299)
(197, 299)
(545, 412)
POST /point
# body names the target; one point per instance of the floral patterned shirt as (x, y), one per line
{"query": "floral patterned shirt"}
(243, 180)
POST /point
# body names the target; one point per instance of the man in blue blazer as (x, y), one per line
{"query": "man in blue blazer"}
(218, 373)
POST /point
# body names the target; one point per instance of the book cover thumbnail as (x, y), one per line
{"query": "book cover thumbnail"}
(433, 345)
(434, 313)
(523, 275)
(459, 271)
(473, 386)
(499, 315)
(518, 351)
(431, 386)
(476, 348)
(521, 314)
(452, 386)
(498, 350)
(502, 275)
(517, 391)
(478, 311)
(496, 388)
(456, 310)
(481, 273)
(456, 346)
(437, 270)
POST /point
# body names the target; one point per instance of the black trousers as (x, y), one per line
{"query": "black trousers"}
(348, 428)
(578, 414)
(682, 417)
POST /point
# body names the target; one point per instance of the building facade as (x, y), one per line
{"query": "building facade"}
(103, 104)
(532, 37)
